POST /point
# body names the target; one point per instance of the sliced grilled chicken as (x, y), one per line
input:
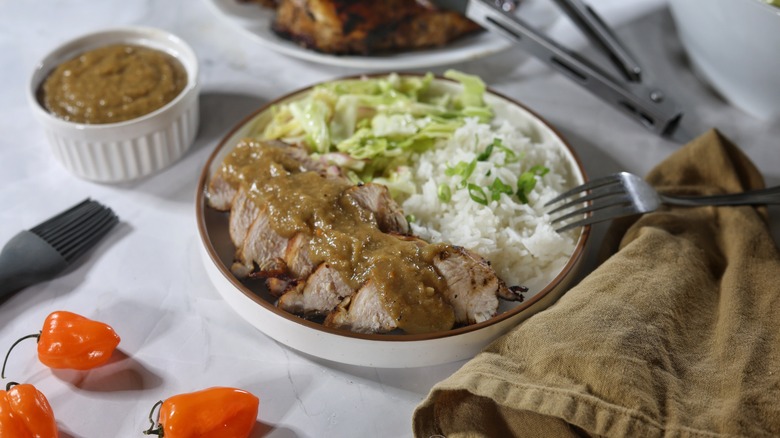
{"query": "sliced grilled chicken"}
(262, 252)
(221, 193)
(472, 290)
(242, 214)
(441, 285)
(260, 249)
(472, 285)
(278, 286)
(319, 295)
(297, 258)
(299, 158)
(376, 199)
(363, 312)
(223, 186)
(260, 245)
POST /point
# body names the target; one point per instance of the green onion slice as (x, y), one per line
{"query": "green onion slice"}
(527, 181)
(497, 188)
(477, 194)
(444, 192)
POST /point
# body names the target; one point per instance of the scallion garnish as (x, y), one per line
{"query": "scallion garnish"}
(486, 153)
(444, 192)
(527, 181)
(477, 194)
(463, 170)
(510, 156)
(497, 188)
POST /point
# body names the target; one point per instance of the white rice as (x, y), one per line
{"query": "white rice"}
(516, 238)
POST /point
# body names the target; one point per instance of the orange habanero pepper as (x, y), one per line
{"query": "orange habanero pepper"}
(25, 412)
(217, 412)
(72, 341)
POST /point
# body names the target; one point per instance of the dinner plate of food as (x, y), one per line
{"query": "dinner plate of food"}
(409, 35)
(391, 220)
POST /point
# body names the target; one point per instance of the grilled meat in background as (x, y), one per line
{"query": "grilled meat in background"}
(365, 27)
(266, 3)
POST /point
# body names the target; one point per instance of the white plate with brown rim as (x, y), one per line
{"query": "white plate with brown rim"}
(252, 301)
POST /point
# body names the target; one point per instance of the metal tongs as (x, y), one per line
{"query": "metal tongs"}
(645, 104)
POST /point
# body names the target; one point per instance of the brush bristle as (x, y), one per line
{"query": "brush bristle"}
(77, 229)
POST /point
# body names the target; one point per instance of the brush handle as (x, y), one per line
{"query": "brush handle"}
(27, 259)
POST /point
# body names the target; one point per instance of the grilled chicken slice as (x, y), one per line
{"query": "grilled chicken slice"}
(363, 312)
(261, 254)
(322, 292)
(223, 188)
(221, 193)
(368, 27)
(242, 214)
(297, 257)
(376, 199)
(259, 250)
(472, 290)
(473, 287)
(278, 286)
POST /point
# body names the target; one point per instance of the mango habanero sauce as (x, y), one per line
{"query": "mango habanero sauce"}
(112, 84)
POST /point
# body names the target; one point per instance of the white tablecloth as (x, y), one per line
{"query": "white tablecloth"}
(146, 279)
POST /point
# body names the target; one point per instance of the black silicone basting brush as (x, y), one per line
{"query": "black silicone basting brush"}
(44, 251)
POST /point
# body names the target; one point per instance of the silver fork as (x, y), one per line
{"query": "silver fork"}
(624, 194)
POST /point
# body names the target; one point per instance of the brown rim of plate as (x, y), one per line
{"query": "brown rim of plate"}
(200, 206)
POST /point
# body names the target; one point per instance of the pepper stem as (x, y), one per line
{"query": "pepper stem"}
(36, 335)
(159, 429)
(10, 385)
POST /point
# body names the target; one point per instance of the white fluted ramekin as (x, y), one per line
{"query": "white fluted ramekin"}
(123, 151)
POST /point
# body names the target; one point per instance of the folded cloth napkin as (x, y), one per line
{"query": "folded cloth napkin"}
(677, 334)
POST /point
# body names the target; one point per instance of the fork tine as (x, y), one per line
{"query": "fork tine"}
(600, 216)
(614, 201)
(592, 184)
(597, 193)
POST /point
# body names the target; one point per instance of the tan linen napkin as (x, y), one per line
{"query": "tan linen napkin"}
(675, 335)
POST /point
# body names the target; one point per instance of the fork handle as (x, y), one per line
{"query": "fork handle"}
(769, 195)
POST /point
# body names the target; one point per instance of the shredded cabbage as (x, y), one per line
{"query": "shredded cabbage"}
(379, 122)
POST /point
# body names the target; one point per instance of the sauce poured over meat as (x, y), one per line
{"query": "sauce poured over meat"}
(344, 234)
(330, 248)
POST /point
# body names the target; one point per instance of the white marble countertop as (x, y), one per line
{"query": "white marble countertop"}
(146, 279)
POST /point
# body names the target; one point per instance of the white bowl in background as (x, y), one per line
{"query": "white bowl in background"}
(735, 46)
(123, 151)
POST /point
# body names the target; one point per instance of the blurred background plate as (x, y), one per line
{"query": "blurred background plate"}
(255, 21)
(734, 45)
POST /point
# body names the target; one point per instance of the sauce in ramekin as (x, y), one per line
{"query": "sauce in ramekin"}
(112, 84)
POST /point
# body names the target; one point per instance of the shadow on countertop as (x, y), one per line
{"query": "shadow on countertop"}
(220, 112)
